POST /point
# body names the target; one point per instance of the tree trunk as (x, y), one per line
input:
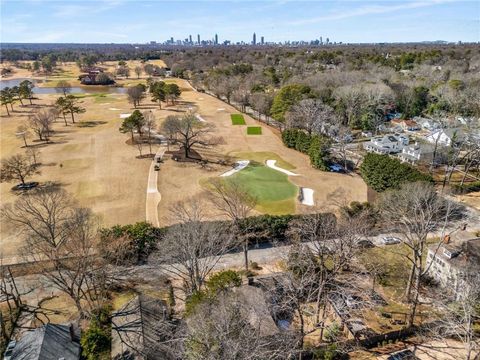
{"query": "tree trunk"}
(408, 290)
(133, 140)
(65, 119)
(30, 99)
(73, 118)
(245, 254)
(25, 140)
(6, 107)
(21, 101)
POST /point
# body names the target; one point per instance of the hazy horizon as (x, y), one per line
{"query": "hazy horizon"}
(124, 21)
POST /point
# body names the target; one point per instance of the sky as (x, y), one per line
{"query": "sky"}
(138, 21)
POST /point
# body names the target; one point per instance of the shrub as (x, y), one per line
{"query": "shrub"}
(223, 280)
(382, 172)
(466, 188)
(128, 244)
(316, 146)
(286, 97)
(96, 340)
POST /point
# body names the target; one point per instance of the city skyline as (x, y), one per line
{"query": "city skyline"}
(278, 21)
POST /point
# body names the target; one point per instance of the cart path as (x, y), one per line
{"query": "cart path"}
(153, 195)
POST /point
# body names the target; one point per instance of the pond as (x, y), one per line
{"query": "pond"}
(73, 89)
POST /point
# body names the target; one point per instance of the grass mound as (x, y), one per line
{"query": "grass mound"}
(254, 130)
(274, 192)
(237, 119)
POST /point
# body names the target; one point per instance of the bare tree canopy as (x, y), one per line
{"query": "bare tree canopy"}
(16, 167)
(41, 123)
(190, 132)
(191, 249)
(311, 115)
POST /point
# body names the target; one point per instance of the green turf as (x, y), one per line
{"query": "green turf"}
(254, 130)
(262, 156)
(275, 194)
(237, 119)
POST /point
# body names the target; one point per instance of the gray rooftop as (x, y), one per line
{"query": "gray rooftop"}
(49, 342)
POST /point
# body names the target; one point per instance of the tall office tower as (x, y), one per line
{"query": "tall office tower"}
(321, 40)
(262, 40)
(190, 39)
(328, 41)
(254, 40)
(216, 39)
(198, 39)
(171, 40)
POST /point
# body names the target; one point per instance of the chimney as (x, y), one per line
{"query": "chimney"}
(72, 332)
(446, 239)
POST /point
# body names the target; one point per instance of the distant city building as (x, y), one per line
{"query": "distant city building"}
(262, 40)
(198, 39)
(254, 40)
(321, 40)
(216, 39)
(190, 39)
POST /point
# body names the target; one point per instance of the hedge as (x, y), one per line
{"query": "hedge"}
(315, 146)
(466, 188)
(381, 172)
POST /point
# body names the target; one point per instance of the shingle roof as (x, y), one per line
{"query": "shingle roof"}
(49, 342)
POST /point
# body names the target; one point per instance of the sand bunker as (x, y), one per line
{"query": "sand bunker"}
(306, 196)
(239, 165)
(114, 109)
(123, 116)
(271, 164)
(221, 109)
(200, 118)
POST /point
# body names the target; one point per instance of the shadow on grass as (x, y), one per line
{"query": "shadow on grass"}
(88, 124)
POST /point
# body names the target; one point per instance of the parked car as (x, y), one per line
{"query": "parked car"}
(157, 168)
(390, 240)
(336, 168)
(7, 355)
(26, 186)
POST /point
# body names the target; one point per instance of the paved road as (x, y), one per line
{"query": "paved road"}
(153, 195)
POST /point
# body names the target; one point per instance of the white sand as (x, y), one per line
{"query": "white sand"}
(271, 164)
(307, 196)
(114, 109)
(200, 118)
(221, 109)
(123, 116)
(200, 98)
(239, 165)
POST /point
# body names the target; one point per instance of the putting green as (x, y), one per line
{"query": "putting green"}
(275, 194)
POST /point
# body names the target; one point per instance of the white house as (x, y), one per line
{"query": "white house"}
(387, 144)
(449, 263)
(444, 137)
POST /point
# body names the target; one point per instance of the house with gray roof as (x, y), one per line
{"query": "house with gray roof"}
(49, 342)
(387, 144)
(141, 330)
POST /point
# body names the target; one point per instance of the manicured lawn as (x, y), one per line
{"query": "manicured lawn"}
(274, 192)
(262, 156)
(254, 130)
(237, 119)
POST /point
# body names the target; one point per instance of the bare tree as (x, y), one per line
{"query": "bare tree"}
(311, 115)
(16, 167)
(235, 325)
(139, 144)
(60, 239)
(192, 248)
(415, 211)
(457, 318)
(231, 198)
(262, 103)
(33, 152)
(23, 133)
(150, 127)
(136, 94)
(169, 128)
(190, 132)
(41, 123)
(64, 87)
(138, 71)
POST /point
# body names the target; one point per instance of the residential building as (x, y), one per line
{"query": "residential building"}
(141, 330)
(49, 342)
(416, 152)
(445, 137)
(449, 263)
(406, 125)
(387, 144)
(427, 124)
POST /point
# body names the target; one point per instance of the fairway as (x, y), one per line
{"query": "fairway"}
(237, 119)
(254, 130)
(274, 192)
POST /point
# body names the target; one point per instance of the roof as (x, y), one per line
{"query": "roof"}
(466, 254)
(140, 329)
(49, 342)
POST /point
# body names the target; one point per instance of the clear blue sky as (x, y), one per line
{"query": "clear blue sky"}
(122, 21)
